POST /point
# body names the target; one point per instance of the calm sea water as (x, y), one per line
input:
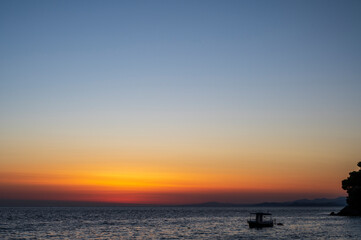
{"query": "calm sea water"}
(172, 223)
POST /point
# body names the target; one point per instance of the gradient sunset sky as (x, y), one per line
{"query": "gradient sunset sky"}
(176, 102)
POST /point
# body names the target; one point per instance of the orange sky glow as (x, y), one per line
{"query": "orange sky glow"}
(157, 176)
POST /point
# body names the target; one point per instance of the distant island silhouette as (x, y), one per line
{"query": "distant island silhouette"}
(319, 202)
(352, 185)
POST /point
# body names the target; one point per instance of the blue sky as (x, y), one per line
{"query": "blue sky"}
(180, 54)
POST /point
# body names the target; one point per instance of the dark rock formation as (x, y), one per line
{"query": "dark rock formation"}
(349, 211)
(352, 185)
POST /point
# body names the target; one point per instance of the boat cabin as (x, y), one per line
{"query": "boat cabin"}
(260, 219)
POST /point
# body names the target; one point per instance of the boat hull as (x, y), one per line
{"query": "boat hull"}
(254, 224)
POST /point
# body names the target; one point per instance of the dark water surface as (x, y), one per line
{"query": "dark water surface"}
(172, 223)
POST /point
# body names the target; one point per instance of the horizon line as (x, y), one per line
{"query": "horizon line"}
(75, 203)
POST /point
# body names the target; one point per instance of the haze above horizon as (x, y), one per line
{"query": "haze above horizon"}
(176, 102)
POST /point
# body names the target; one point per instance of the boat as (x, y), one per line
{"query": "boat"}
(260, 220)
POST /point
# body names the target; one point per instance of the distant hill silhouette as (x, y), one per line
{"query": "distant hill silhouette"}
(319, 202)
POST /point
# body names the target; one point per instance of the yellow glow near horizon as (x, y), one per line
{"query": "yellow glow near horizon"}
(109, 172)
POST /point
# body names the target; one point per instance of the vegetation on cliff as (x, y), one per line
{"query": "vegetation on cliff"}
(352, 185)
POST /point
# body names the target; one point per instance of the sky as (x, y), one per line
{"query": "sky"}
(173, 102)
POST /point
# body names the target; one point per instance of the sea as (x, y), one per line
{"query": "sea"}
(173, 223)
